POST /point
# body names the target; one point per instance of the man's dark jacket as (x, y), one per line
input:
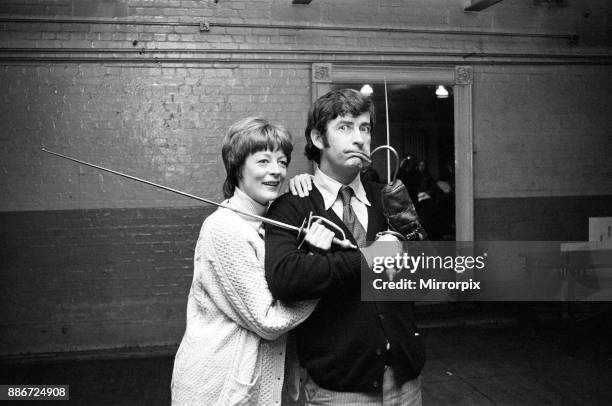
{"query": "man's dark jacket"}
(343, 343)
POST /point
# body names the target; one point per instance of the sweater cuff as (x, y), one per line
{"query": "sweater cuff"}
(357, 262)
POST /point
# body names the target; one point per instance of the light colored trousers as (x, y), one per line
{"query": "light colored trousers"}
(409, 394)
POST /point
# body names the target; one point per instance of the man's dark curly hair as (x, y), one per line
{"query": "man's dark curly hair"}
(329, 106)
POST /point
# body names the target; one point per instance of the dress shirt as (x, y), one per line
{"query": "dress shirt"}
(329, 189)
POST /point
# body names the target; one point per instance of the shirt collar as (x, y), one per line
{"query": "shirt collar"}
(329, 188)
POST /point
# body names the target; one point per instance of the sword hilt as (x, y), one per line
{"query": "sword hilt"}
(346, 244)
(303, 231)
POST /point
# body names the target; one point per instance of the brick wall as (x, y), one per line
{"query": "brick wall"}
(95, 261)
(542, 131)
(98, 278)
(160, 123)
(542, 146)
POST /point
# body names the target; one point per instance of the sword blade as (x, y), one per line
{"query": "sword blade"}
(179, 192)
(389, 181)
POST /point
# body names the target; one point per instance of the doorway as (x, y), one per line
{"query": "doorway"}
(421, 131)
(437, 131)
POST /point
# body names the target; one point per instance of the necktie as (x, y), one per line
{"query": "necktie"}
(349, 218)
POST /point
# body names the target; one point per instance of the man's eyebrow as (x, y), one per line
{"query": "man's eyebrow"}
(342, 122)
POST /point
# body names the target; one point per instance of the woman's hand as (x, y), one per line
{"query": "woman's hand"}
(319, 238)
(301, 184)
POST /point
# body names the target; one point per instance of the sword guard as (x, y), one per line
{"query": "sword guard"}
(302, 232)
(344, 242)
(397, 161)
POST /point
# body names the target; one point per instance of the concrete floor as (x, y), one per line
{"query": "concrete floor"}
(509, 365)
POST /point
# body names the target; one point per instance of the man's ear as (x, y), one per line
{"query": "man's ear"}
(317, 139)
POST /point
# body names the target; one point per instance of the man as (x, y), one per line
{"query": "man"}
(354, 352)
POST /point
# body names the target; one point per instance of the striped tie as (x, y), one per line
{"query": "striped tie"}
(349, 218)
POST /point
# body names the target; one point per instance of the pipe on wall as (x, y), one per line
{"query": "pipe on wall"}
(573, 38)
(291, 56)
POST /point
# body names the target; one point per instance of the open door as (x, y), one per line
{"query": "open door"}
(425, 127)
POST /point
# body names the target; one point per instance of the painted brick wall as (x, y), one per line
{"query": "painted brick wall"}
(98, 278)
(555, 218)
(542, 131)
(542, 151)
(160, 123)
(93, 261)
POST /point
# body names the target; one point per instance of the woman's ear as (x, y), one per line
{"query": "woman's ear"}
(317, 139)
(239, 175)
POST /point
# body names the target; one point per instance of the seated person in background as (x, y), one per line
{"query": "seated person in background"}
(425, 203)
(409, 176)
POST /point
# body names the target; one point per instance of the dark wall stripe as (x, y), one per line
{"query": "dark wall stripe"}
(563, 218)
(109, 278)
(87, 279)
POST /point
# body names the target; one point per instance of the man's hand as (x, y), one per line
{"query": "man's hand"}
(390, 272)
(387, 237)
(319, 238)
(301, 185)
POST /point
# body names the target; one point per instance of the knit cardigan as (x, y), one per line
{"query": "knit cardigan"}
(233, 350)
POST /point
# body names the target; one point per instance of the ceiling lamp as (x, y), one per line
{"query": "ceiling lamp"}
(441, 92)
(366, 90)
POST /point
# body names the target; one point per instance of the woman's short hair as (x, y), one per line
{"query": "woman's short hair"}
(326, 108)
(245, 137)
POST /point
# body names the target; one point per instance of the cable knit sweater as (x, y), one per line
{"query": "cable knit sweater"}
(233, 349)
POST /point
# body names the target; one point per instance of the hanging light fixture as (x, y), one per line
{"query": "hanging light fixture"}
(366, 90)
(441, 92)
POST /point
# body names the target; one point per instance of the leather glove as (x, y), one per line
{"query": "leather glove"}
(400, 212)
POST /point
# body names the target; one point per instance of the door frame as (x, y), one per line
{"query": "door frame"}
(461, 79)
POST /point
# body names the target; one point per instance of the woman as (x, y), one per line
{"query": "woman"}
(233, 349)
